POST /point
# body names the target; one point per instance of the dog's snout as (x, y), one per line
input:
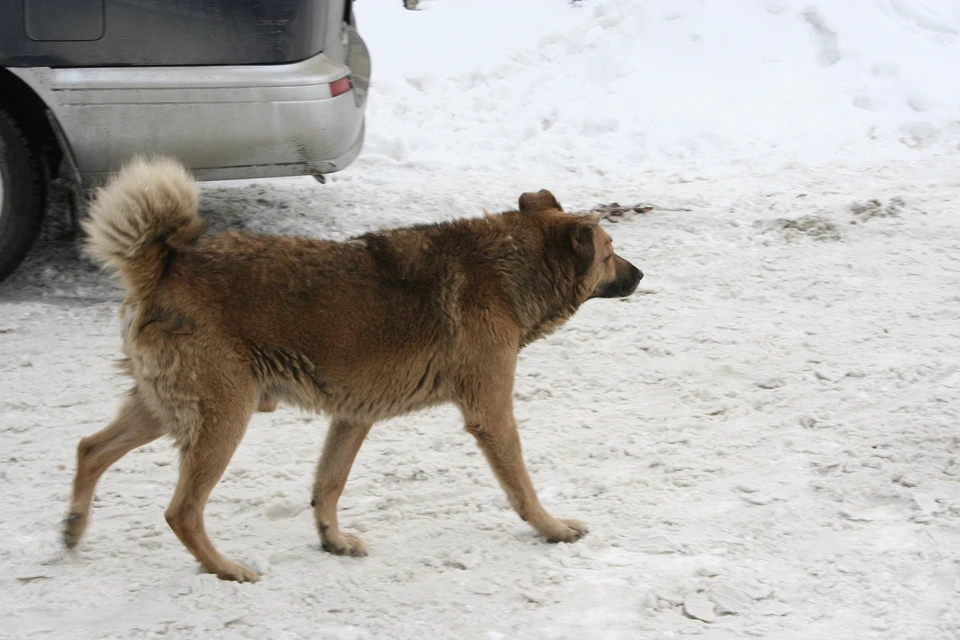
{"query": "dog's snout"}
(632, 281)
(628, 278)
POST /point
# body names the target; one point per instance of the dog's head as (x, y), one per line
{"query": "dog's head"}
(601, 273)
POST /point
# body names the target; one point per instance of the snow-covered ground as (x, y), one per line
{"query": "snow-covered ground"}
(765, 439)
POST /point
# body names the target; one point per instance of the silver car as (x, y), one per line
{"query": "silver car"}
(233, 88)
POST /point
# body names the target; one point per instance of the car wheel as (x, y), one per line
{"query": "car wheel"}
(22, 194)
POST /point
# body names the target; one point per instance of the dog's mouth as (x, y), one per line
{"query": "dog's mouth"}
(623, 286)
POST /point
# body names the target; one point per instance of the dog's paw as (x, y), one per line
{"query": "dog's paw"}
(568, 531)
(345, 544)
(73, 526)
(236, 572)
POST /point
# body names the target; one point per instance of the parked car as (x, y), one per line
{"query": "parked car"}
(233, 88)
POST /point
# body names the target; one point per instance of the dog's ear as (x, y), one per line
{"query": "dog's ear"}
(543, 199)
(580, 236)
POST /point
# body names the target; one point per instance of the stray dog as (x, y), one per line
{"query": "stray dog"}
(216, 326)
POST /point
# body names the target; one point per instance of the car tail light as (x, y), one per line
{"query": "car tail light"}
(339, 87)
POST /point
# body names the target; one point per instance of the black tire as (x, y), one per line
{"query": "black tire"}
(22, 194)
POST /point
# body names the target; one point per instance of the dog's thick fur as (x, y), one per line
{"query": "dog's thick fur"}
(363, 330)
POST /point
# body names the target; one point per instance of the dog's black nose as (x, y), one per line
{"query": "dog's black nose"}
(629, 284)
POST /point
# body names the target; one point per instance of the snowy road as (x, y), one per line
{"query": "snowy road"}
(771, 424)
(764, 439)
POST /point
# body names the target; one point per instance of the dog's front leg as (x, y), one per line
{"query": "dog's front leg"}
(489, 419)
(339, 451)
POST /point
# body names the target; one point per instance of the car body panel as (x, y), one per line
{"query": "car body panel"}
(224, 121)
(98, 33)
(227, 121)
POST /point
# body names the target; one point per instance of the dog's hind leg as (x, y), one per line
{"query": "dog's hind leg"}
(202, 463)
(134, 426)
(343, 441)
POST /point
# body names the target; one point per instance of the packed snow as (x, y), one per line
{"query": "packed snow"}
(764, 439)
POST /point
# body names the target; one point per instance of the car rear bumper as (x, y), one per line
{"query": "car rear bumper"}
(224, 122)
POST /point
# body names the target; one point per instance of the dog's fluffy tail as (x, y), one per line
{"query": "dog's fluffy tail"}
(144, 214)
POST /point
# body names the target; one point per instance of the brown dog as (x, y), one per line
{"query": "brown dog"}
(378, 326)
